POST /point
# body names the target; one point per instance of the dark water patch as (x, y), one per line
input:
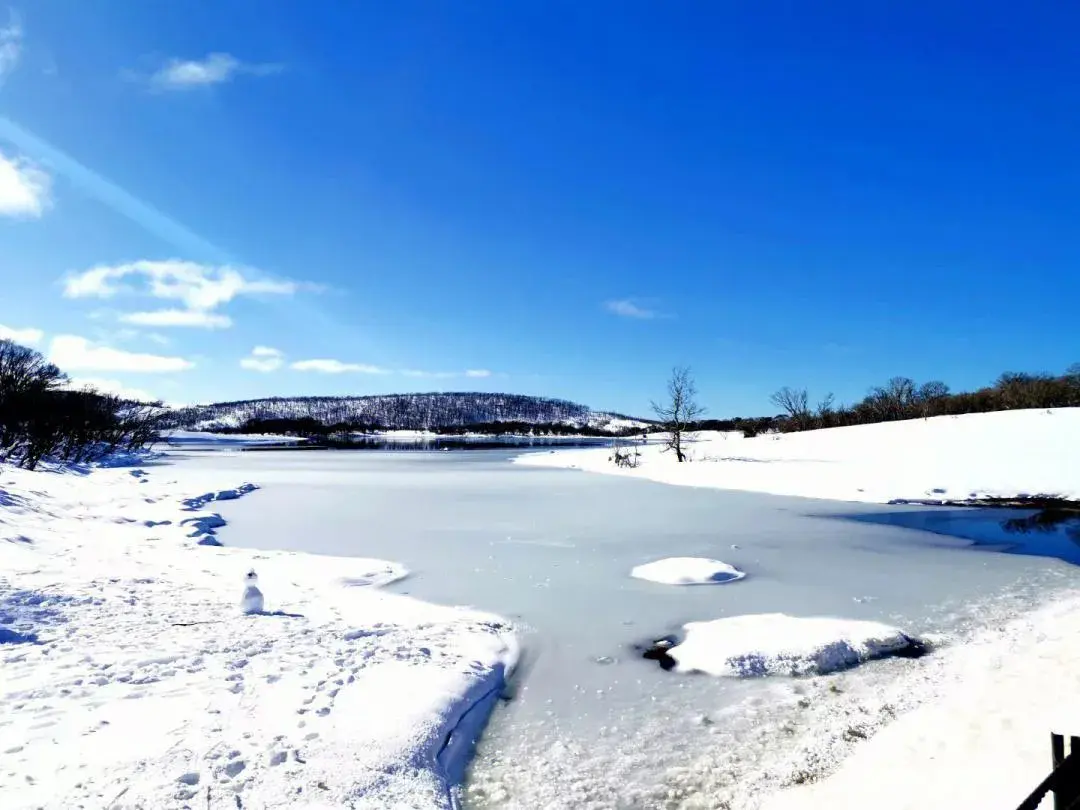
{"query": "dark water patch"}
(1048, 532)
(659, 650)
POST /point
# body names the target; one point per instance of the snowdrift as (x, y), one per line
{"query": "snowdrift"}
(777, 644)
(687, 571)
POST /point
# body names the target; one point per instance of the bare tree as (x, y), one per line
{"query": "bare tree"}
(795, 403)
(824, 412)
(679, 410)
(40, 419)
(930, 395)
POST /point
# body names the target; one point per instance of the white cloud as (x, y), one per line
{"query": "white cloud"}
(477, 372)
(178, 317)
(73, 353)
(263, 358)
(215, 68)
(27, 337)
(197, 286)
(335, 367)
(115, 387)
(201, 288)
(625, 308)
(11, 37)
(24, 188)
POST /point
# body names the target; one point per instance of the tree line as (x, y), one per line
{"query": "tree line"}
(903, 398)
(309, 427)
(679, 415)
(41, 418)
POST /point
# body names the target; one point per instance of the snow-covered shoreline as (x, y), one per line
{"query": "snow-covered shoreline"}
(1005, 454)
(973, 720)
(129, 676)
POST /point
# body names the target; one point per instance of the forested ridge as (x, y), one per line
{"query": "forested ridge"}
(430, 411)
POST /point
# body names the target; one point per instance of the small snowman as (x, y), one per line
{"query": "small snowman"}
(252, 600)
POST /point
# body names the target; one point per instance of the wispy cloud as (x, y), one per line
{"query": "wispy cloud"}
(115, 387)
(200, 288)
(477, 373)
(626, 308)
(26, 337)
(326, 366)
(24, 188)
(178, 317)
(73, 353)
(264, 359)
(214, 68)
(11, 37)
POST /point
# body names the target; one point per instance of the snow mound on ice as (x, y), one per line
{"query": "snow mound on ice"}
(687, 571)
(777, 644)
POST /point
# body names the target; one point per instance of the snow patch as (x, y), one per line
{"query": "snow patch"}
(1003, 454)
(130, 677)
(687, 571)
(778, 644)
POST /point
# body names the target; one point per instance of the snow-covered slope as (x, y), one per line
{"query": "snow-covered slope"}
(405, 411)
(130, 677)
(946, 458)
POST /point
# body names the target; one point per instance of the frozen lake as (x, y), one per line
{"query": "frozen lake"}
(591, 724)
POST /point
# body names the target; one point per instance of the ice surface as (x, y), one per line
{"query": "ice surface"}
(201, 438)
(776, 644)
(590, 724)
(945, 458)
(687, 571)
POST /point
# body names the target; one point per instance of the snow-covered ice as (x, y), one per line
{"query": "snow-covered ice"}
(945, 458)
(776, 644)
(210, 439)
(592, 725)
(687, 571)
(129, 678)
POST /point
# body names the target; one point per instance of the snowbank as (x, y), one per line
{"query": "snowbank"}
(776, 644)
(129, 676)
(986, 455)
(978, 739)
(687, 571)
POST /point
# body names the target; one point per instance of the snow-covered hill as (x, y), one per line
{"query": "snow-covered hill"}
(1003, 454)
(405, 411)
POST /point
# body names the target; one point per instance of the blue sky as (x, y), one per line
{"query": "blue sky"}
(542, 197)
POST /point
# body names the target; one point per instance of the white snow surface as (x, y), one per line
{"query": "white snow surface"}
(975, 456)
(687, 571)
(978, 736)
(777, 644)
(130, 677)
